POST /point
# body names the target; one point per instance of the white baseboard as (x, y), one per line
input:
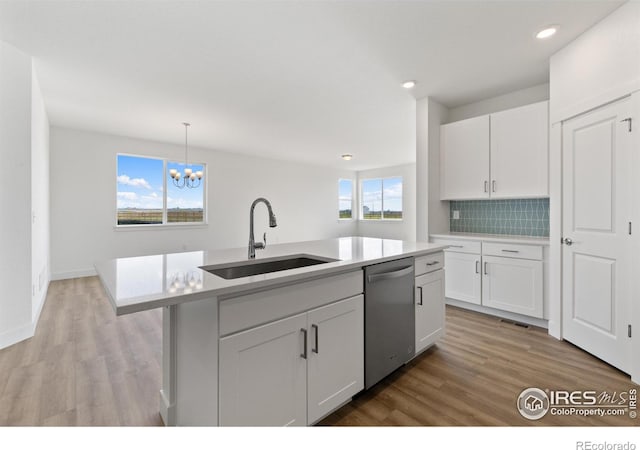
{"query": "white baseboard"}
(16, 335)
(167, 411)
(80, 273)
(542, 323)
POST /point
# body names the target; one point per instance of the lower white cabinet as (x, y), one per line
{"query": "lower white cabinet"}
(513, 284)
(429, 299)
(293, 371)
(463, 280)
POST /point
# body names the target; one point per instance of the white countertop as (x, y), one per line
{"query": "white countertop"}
(528, 240)
(148, 282)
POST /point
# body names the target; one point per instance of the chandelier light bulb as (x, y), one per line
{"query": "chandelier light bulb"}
(187, 172)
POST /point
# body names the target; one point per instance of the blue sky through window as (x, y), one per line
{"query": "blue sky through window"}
(380, 194)
(184, 198)
(345, 198)
(139, 182)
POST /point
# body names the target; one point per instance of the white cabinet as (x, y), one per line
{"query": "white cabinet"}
(507, 276)
(263, 378)
(335, 356)
(463, 280)
(502, 155)
(512, 284)
(519, 152)
(430, 318)
(464, 159)
(293, 371)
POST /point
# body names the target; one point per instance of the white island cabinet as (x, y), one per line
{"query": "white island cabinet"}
(429, 300)
(278, 348)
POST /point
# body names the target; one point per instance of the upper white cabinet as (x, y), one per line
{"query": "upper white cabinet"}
(502, 155)
(519, 152)
(464, 159)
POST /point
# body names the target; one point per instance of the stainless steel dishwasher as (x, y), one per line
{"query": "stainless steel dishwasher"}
(389, 318)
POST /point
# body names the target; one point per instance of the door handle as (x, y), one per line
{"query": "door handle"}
(485, 268)
(420, 303)
(389, 275)
(568, 241)
(315, 327)
(304, 351)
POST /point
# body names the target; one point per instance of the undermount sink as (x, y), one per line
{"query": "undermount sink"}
(248, 268)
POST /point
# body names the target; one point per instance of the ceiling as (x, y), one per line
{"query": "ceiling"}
(296, 80)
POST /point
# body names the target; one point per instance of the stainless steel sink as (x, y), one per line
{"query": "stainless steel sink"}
(248, 268)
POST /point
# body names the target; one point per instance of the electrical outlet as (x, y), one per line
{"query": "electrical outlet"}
(456, 215)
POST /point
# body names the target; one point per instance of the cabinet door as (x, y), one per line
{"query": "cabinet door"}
(520, 152)
(512, 285)
(429, 309)
(263, 375)
(464, 159)
(462, 277)
(336, 355)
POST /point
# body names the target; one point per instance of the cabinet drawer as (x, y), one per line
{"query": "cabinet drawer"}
(429, 263)
(460, 246)
(513, 250)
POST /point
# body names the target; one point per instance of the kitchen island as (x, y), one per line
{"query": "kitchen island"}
(241, 351)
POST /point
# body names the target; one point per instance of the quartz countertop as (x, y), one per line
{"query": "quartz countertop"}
(147, 282)
(528, 240)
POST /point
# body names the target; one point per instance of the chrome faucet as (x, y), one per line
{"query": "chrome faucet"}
(253, 245)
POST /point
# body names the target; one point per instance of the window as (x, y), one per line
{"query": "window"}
(146, 194)
(381, 198)
(345, 199)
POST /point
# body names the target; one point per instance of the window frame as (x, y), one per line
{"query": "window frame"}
(361, 199)
(353, 198)
(164, 224)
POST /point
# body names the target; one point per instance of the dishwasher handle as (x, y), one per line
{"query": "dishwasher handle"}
(390, 275)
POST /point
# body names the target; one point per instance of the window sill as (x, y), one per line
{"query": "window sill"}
(381, 220)
(163, 226)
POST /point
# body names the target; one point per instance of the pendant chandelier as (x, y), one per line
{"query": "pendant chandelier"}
(190, 178)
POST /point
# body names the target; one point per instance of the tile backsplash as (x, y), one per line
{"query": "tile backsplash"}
(522, 217)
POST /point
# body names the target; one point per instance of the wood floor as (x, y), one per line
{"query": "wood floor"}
(85, 366)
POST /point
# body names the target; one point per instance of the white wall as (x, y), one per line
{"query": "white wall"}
(601, 65)
(40, 226)
(393, 229)
(533, 94)
(438, 209)
(83, 201)
(432, 214)
(15, 195)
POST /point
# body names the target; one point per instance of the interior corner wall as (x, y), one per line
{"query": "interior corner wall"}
(15, 200)
(422, 169)
(533, 94)
(40, 211)
(404, 229)
(438, 209)
(83, 206)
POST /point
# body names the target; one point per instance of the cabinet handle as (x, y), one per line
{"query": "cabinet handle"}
(486, 186)
(420, 302)
(493, 186)
(456, 246)
(304, 351)
(315, 327)
(511, 251)
(432, 263)
(477, 264)
(485, 268)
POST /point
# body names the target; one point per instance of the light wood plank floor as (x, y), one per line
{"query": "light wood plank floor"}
(85, 366)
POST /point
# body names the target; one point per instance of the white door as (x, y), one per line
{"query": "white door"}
(263, 375)
(463, 280)
(464, 159)
(512, 284)
(336, 355)
(429, 297)
(596, 150)
(520, 152)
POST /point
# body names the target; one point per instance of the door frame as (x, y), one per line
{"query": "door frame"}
(555, 231)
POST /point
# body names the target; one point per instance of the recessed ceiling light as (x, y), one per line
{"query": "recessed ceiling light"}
(347, 156)
(408, 84)
(547, 32)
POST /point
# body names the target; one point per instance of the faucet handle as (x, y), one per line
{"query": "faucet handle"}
(264, 239)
